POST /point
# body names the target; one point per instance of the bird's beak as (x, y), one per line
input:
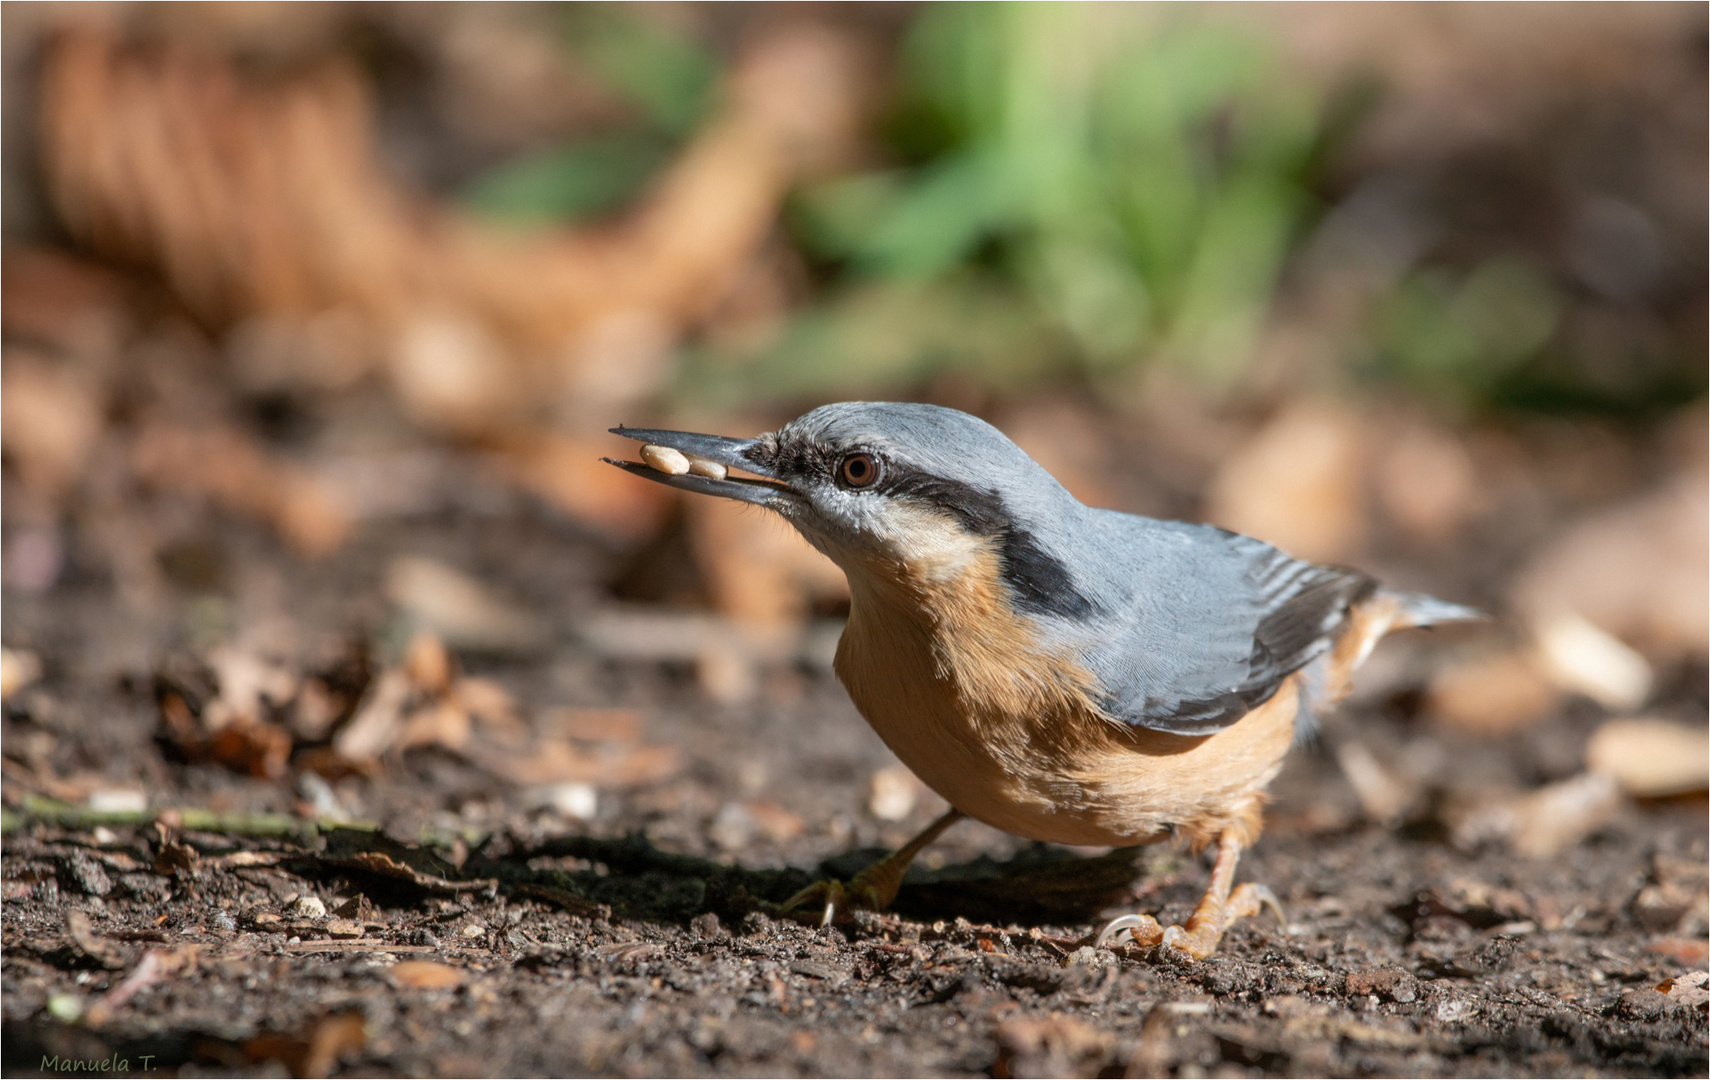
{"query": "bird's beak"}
(714, 448)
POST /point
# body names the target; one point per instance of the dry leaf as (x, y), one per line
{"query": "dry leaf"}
(1692, 989)
(1056, 1045)
(1639, 571)
(18, 669)
(426, 975)
(1386, 795)
(1298, 483)
(427, 663)
(1586, 660)
(1559, 815)
(230, 467)
(558, 762)
(103, 950)
(1495, 694)
(374, 728)
(1425, 479)
(50, 418)
(595, 725)
(1651, 758)
(318, 1050)
(459, 609)
(1686, 951)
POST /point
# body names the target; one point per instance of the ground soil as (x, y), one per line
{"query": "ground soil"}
(643, 940)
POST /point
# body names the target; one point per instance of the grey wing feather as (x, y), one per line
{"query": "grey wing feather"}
(1206, 649)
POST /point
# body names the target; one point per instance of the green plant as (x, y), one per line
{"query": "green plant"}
(1103, 185)
(668, 81)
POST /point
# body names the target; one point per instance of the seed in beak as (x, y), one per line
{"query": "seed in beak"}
(666, 460)
(710, 469)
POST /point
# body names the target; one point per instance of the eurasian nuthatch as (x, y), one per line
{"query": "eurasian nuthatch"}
(1061, 672)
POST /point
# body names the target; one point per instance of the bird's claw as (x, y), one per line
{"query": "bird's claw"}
(870, 890)
(1200, 936)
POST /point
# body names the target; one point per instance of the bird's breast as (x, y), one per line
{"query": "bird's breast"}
(1006, 726)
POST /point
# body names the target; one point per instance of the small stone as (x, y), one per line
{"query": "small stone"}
(706, 926)
(305, 907)
(1088, 957)
(1392, 983)
(87, 873)
(473, 930)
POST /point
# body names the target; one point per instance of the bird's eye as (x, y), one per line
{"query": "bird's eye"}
(858, 471)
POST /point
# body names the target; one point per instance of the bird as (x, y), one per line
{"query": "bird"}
(1064, 673)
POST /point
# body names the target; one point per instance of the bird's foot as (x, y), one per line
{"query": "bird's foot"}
(872, 889)
(1204, 928)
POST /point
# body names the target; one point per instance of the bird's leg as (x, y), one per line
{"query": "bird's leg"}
(1217, 910)
(875, 887)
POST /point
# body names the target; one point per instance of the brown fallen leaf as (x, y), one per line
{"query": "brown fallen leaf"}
(51, 415)
(1494, 694)
(294, 214)
(1689, 952)
(18, 669)
(1299, 483)
(1651, 758)
(315, 1051)
(230, 467)
(1583, 658)
(258, 748)
(1057, 1045)
(1387, 795)
(444, 724)
(426, 975)
(557, 762)
(428, 664)
(1561, 814)
(595, 725)
(1425, 479)
(376, 853)
(1692, 989)
(103, 950)
(457, 608)
(373, 729)
(1639, 570)
(156, 965)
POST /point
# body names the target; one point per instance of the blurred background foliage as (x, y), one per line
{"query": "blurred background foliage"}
(248, 243)
(1126, 187)
(1058, 192)
(669, 81)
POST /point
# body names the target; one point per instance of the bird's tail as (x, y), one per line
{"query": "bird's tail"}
(1417, 609)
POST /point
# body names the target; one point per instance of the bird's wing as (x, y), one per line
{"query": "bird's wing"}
(1212, 625)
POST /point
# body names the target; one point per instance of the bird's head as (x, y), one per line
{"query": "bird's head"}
(889, 488)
